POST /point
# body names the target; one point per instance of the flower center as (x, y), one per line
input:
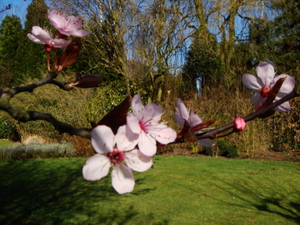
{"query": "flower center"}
(48, 47)
(144, 125)
(116, 156)
(264, 91)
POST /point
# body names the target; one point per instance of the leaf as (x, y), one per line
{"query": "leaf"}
(272, 94)
(88, 81)
(71, 54)
(187, 133)
(117, 117)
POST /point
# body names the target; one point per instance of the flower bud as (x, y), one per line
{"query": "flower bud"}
(239, 124)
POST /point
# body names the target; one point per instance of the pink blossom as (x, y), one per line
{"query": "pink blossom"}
(264, 83)
(112, 151)
(40, 36)
(182, 114)
(67, 25)
(143, 124)
(239, 124)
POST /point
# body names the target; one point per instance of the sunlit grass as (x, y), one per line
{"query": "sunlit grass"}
(6, 143)
(179, 190)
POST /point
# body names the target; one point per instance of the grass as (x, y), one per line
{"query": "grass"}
(179, 190)
(6, 143)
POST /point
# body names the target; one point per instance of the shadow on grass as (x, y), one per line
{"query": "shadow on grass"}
(51, 192)
(265, 195)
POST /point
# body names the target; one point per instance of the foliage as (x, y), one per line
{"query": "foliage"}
(10, 35)
(31, 59)
(221, 148)
(7, 128)
(108, 96)
(36, 151)
(179, 190)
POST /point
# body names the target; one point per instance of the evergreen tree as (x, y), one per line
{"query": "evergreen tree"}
(10, 32)
(31, 56)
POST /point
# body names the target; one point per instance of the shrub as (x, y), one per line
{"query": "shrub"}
(7, 128)
(36, 151)
(222, 149)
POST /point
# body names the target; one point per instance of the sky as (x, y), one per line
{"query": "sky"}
(18, 8)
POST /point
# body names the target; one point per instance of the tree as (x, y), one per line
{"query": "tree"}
(10, 34)
(31, 57)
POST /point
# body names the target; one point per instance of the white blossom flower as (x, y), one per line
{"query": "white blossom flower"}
(182, 114)
(112, 151)
(67, 25)
(143, 124)
(40, 36)
(264, 83)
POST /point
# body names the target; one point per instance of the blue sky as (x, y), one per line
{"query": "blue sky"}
(18, 8)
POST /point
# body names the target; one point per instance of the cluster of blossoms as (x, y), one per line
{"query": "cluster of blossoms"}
(134, 142)
(66, 26)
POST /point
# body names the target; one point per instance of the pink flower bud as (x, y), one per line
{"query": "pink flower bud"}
(239, 124)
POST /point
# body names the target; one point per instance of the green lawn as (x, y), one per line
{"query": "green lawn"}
(179, 190)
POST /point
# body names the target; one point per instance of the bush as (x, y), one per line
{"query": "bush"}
(7, 128)
(36, 151)
(222, 149)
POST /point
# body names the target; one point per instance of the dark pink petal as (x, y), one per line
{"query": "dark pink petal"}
(138, 107)
(239, 124)
(252, 82)
(265, 71)
(102, 139)
(96, 167)
(137, 161)
(122, 179)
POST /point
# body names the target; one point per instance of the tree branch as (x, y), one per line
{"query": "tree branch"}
(214, 133)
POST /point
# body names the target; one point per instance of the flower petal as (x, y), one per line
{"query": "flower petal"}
(287, 86)
(122, 141)
(163, 134)
(255, 98)
(137, 107)
(252, 82)
(194, 120)
(137, 161)
(206, 142)
(265, 71)
(122, 179)
(181, 112)
(102, 139)
(96, 167)
(133, 125)
(284, 107)
(81, 33)
(147, 144)
(60, 43)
